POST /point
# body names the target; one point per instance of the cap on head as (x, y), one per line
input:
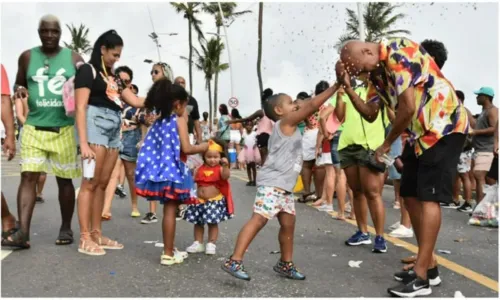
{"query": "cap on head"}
(485, 90)
(49, 19)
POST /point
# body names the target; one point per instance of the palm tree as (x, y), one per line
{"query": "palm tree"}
(190, 11)
(228, 9)
(79, 40)
(208, 62)
(259, 49)
(379, 19)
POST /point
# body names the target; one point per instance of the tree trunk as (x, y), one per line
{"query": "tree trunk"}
(216, 81)
(209, 100)
(259, 50)
(190, 59)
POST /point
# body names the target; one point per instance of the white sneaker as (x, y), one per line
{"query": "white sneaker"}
(196, 247)
(326, 207)
(347, 208)
(402, 232)
(395, 225)
(182, 254)
(210, 249)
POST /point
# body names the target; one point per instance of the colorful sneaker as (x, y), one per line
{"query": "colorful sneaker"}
(182, 254)
(288, 270)
(196, 247)
(149, 218)
(416, 287)
(408, 276)
(236, 269)
(210, 249)
(170, 260)
(359, 238)
(380, 245)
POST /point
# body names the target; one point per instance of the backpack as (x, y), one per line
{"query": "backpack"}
(69, 92)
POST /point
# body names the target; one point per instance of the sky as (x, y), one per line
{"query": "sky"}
(298, 41)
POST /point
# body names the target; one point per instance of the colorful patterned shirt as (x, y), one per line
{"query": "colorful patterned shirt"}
(405, 64)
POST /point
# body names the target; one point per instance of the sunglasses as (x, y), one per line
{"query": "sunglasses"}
(155, 72)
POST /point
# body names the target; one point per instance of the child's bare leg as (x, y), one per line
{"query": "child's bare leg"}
(168, 227)
(213, 233)
(285, 237)
(247, 234)
(199, 230)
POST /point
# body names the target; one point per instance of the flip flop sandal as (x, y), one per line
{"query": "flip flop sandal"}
(11, 231)
(18, 239)
(106, 217)
(89, 247)
(40, 199)
(408, 267)
(65, 238)
(409, 259)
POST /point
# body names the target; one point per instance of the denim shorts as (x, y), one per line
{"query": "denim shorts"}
(334, 145)
(396, 150)
(130, 139)
(103, 127)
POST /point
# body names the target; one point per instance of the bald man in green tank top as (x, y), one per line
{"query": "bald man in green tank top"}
(48, 134)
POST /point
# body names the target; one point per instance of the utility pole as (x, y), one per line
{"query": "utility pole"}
(361, 22)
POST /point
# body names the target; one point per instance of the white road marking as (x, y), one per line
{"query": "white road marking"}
(6, 253)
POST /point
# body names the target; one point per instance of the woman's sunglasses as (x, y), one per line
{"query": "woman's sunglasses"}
(155, 72)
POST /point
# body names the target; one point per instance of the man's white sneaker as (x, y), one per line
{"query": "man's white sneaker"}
(395, 226)
(196, 247)
(402, 232)
(210, 249)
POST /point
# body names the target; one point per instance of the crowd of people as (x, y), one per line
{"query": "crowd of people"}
(390, 114)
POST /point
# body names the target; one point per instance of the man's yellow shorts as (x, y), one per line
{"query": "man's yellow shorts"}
(40, 147)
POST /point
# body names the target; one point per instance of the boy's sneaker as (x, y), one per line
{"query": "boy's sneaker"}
(196, 247)
(414, 288)
(408, 276)
(466, 207)
(149, 218)
(120, 191)
(359, 238)
(380, 245)
(182, 254)
(288, 270)
(326, 207)
(210, 249)
(235, 268)
(402, 232)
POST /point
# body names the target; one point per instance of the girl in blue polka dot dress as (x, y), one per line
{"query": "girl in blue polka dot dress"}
(162, 174)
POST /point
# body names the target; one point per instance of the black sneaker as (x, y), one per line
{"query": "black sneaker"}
(407, 276)
(149, 218)
(466, 207)
(452, 205)
(120, 191)
(414, 288)
(249, 183)
(288, 270)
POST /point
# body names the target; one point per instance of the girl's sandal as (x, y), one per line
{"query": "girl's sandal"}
(106, 217)
(16, 239)
(106, 243)
(89, 247)
(167, 260)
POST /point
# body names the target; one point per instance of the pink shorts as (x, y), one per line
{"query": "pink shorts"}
(482, 161)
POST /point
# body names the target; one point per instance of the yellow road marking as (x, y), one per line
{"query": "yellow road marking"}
(468, 273)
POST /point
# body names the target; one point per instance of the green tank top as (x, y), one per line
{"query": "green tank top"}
(45, 78)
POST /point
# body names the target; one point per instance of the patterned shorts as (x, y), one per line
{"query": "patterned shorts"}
(464, 163)
(270, 201)
(39, 148)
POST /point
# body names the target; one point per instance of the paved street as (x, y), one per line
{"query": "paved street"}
(47, 270)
